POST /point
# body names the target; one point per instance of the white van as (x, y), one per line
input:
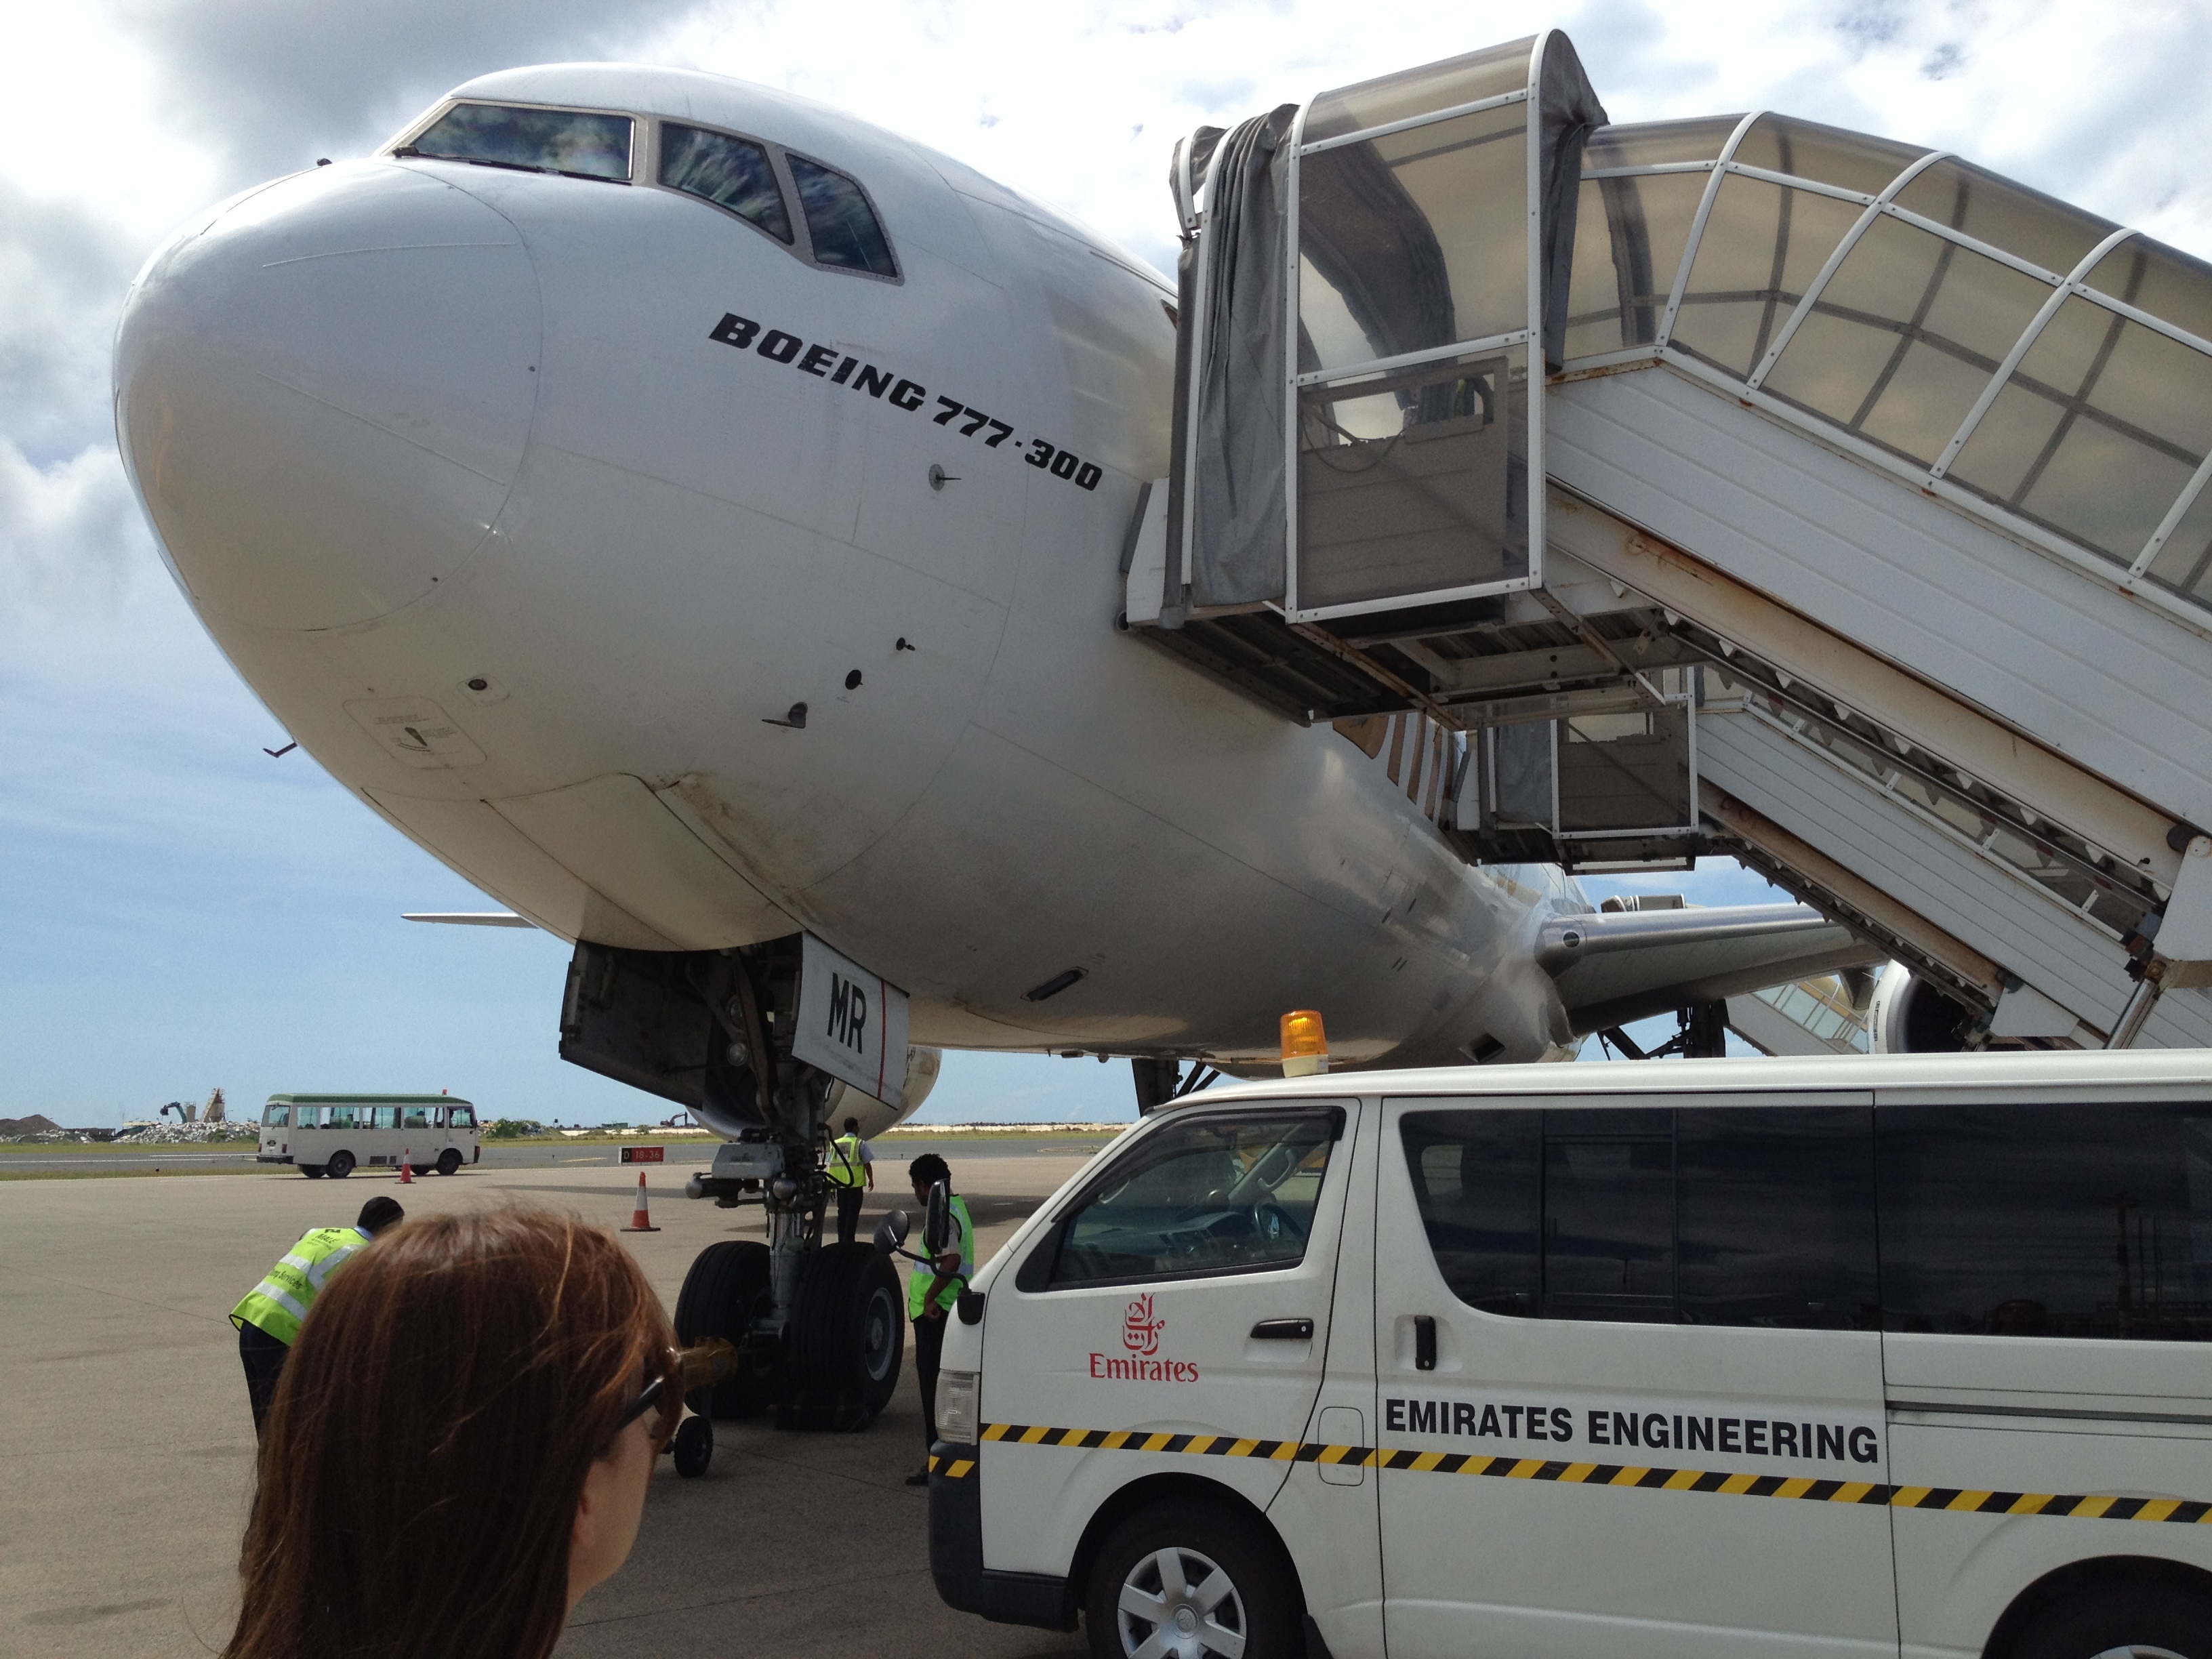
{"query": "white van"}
(1803, 1357)
(336, 1135)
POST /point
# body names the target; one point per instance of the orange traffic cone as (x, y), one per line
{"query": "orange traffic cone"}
(639, 1220)
(406, 1169)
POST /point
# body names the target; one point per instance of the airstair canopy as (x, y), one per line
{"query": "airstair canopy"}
(1357, 423)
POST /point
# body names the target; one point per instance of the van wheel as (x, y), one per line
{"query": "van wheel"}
(340, 1166)
(449, 1160)
(848, 1339)
(312, 1171)
(726, 1290)
(1194, 1581)
(2137, 1621)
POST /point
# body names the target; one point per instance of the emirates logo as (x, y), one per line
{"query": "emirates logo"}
(1141, 1329)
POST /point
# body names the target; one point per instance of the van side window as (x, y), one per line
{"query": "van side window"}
(2073, 1220)
(1478, 1179)
(461, 1117)
(731, 173)
(839, 222)
(415, 1117)
(387, 1117)
(1757, 1216)
(341, 1118)
(1229, 1195)
(1775, 1217)
(1609, 1215)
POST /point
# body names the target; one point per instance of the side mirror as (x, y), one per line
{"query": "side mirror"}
(937, 1226)
(892, 1232)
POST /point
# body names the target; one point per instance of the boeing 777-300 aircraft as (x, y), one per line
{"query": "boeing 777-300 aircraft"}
(697, 516)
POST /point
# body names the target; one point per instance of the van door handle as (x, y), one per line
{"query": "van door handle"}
(1425, 1342)
(1284, 1330)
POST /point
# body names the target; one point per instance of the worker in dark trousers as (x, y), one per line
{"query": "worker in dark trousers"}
(934, 1291)
(851, 1171)
(268, 1319)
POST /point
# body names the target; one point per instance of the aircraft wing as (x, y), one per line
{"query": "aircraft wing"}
(1613, 968)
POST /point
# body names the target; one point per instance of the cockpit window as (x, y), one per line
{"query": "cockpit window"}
(839, 221)
(731, 173)
(569, 142)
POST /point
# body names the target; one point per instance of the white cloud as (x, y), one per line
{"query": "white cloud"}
(70, 532)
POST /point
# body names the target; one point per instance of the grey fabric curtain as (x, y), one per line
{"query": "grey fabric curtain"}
(1237, 556)
(1568, 112)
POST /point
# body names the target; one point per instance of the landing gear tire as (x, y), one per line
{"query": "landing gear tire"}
(2140, 1621)
(449, 1160)
(340, 1166)
(1194, 1580)
(848, 1339)
(693, 1447)
(726, 1290)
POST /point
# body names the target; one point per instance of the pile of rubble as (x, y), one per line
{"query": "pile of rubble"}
(176, 1135)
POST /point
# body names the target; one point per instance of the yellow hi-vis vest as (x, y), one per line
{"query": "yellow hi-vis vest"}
(917, 1287)
(281, 1301)
(846, 1168)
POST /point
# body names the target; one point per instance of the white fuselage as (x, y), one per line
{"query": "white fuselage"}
(449, 463)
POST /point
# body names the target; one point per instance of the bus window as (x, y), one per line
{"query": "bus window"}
(307, 1117)
(1775, 1217)
(341, 1118)
(2039, 1220)
(461, 1117)
(276, 1117)
(415, 1117)
(387, 1117)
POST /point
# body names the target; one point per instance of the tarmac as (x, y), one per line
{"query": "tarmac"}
(127, 1446)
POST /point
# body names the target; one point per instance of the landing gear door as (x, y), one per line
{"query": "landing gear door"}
(1173, 1318)
(851, 1023)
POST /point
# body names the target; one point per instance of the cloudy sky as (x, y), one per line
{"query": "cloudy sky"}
(178, 910)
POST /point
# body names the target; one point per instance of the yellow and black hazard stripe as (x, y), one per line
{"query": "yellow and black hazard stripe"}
(1955, 1499)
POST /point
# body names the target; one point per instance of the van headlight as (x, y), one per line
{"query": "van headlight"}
(958, 1393)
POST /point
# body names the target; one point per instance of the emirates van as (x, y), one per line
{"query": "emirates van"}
(1899, 1355)
(336, 1135)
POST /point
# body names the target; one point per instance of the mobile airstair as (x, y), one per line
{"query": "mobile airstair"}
(1735, 485)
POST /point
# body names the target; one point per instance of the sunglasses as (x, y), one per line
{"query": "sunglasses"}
(654, 1397)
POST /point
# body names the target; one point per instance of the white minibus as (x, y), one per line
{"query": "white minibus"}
(1865, 1355)
(336, 1135)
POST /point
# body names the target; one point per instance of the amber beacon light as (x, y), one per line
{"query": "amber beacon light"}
(1305, 1045)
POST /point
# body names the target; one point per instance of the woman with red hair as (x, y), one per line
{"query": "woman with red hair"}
(460, 1444)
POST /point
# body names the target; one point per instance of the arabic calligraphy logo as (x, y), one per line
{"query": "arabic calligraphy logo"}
(1141, 1329)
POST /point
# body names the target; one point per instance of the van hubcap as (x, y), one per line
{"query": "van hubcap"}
(1177, 1604)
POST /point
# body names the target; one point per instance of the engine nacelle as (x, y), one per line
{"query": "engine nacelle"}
(1909, 1015)
(922, 1066)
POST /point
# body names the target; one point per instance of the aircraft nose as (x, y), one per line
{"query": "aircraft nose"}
(324, 394)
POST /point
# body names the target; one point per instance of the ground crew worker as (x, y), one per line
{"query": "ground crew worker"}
(933, 1290)
(851, 1171)
(268, 1320)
